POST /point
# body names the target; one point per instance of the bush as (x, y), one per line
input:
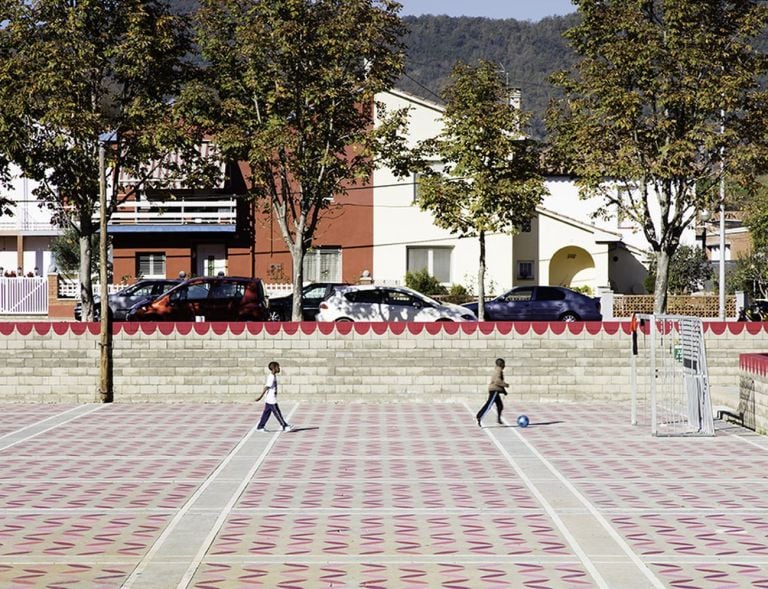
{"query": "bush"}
(458, 294)
(584, 289)
(425, 283)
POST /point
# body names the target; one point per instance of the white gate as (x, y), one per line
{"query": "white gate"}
(24, 296)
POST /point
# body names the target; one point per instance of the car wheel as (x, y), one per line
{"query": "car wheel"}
(344, 320)
(569, 317)
(274, 315)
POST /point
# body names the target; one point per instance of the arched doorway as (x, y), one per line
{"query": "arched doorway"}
(572, 267)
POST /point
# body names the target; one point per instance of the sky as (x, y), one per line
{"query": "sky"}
(532, 10)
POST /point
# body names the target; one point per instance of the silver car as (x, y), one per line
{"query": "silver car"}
(388, 303)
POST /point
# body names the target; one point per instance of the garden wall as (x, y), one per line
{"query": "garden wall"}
(397, 362)
(753, 398)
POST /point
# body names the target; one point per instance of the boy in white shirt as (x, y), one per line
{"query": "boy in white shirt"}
(271, 406)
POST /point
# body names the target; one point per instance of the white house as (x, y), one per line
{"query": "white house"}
(25, 237)
(564, 245)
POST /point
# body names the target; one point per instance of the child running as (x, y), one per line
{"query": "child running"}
(270, 403)
(495, 390)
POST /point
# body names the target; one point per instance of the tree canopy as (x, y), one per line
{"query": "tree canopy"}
(74, 75)
(480, 175)
(664, 100)
(293, 87)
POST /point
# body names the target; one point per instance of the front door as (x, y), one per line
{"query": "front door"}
(211, 259)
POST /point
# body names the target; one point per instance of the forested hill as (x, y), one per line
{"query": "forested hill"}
(528, 52)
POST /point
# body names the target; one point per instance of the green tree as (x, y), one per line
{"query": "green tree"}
(664, 99)
(689, 269)
(77, 74)
(751, 272)
(294, 85)
(66, 251)
(489, 181)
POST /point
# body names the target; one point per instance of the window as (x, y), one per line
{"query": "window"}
(323, 265)
(395, 297)
(549, 294)
(228, 290)
(150, 265)
(192, 292)
(520, 294)
(368, 296)
(435, 260)
(525, 270)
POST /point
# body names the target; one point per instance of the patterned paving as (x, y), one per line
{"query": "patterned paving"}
(410, 496)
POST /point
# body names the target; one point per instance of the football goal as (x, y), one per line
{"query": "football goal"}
(669, 377)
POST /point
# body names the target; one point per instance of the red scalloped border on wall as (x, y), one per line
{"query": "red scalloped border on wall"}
(359, 328)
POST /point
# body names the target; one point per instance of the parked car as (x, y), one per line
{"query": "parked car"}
(387, 303)
(541, 303)
(312, 295)
(121, 302)
(207, 299)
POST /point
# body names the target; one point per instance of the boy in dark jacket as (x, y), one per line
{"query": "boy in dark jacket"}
(495, 390)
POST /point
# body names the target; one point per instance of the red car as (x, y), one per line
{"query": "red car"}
(207, 298)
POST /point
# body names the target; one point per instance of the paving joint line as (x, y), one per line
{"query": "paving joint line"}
(147, 558)
(647, 573)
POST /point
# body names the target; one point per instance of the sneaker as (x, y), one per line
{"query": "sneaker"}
(260, 429)
(287, 427)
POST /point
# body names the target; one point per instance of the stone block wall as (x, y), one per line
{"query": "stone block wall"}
(753, 399)
(226, 362)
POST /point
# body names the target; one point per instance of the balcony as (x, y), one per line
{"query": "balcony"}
(219, 214)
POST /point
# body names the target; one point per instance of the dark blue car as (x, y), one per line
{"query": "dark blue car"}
(541, 303)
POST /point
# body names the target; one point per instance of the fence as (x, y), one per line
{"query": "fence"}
(705, 306)
(70, 289)
(24, 296)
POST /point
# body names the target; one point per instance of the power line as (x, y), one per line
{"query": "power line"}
(435, 94)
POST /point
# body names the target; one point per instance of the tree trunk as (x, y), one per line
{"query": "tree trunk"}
(297, 255)
(86, 285)
(481, 280)
(662, 281)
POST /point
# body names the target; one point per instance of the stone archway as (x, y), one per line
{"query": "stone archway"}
(572, 266)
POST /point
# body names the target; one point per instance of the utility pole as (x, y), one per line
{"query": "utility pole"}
(105, 324)
(721, 265)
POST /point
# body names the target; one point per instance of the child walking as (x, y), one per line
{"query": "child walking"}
(270, 403)
(495, 390)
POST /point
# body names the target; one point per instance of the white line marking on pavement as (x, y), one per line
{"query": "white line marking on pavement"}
(585, 560)
(652, 579)
(185, 580)
(751, 443)
(24, 439)
(144, 562)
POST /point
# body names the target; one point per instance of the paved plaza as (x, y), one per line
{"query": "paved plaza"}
(376, 496)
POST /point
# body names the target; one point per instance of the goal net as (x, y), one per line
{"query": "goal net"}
(669, 377)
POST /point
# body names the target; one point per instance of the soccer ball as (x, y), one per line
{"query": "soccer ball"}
(522, 421)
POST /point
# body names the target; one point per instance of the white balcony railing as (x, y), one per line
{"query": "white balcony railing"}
(176, 212)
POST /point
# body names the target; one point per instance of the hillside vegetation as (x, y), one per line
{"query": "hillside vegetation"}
(526, 52)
